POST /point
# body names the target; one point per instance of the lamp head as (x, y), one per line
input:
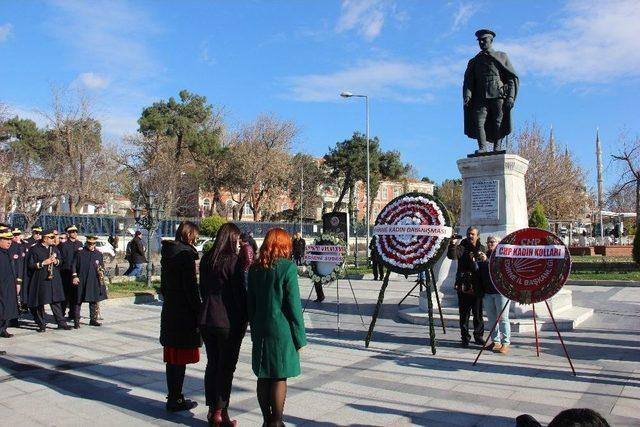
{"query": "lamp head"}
(346, 94)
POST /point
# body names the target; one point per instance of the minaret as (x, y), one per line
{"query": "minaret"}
(552, 142)
(599, 167)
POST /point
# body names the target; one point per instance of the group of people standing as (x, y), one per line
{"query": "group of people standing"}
(476, 290)
(236, 287)
(52, 269)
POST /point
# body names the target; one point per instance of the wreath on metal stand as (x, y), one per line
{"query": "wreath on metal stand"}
(317, 272)
(411, 234)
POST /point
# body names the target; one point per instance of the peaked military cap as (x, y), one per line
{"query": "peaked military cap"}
(71, 228)
(483, 32)
(6, 234)
(36, 230)
(92, 239)
(49, 232)
(16, 231)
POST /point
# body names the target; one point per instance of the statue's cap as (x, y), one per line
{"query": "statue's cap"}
(484, 32)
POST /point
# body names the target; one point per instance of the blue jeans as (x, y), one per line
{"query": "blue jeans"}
(493, 303)
(136, 270)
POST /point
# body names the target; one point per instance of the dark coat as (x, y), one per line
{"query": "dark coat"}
(137, 251)
(299, 246)
(466, 254)
(42, 290)
(85, 267)
(485, 277)
(224, 297)
(17, 255)
(508, 75)
(179, 287)
(8, 296)
(277, 323)
(68, 252)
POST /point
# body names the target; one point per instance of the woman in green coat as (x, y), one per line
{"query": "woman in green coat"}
(277, 325)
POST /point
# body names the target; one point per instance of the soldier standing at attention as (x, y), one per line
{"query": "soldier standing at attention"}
(68, 251)
(87, 271)
(8, 286)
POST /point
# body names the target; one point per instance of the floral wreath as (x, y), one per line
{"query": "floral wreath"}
(409, 254)
(314, 275)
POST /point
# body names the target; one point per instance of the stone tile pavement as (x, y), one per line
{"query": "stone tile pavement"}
(114, 375)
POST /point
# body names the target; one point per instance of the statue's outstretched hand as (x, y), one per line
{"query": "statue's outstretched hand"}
(466, 101)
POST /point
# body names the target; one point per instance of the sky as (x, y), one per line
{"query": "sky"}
(578, 63)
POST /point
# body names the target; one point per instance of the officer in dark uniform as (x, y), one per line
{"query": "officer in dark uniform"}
(36, 235)
(88, 281)
(45, 284)
(18, 255)
(8, 286)
(68, 251)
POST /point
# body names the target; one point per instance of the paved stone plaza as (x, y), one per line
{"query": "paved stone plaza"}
(114, 375)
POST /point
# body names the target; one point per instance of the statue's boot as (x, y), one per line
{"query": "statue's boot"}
(482, 147)
(498, 145)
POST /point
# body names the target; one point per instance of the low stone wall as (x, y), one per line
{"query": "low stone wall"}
(614, 250)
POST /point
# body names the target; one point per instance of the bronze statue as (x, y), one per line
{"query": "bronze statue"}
(489, 92)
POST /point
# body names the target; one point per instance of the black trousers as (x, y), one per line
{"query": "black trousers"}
(92, 311)
(3, 325)
(319, 290)
(468, 304)
(38, 314)
(223, 351)
(69, 289)
(378, 269)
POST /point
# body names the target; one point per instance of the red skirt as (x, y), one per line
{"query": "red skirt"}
(181, 356)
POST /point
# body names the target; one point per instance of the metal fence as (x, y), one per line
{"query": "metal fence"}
(105, 225)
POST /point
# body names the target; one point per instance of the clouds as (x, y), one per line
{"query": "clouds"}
(366, 16)
(387, 79)
(5, 31)
(464, 12)
(592, 44)
(93, 81)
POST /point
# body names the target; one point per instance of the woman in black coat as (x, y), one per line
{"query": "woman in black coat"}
(224, 319)
(179, 332)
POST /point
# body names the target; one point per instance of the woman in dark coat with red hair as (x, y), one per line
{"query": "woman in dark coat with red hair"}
(179, 332)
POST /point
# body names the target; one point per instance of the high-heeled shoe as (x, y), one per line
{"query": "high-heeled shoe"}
(215, 418)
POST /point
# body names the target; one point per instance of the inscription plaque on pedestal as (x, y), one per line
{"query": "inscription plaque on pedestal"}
(484, 200)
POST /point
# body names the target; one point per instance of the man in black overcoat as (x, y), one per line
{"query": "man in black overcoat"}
(88, 281)
(45, 284)
(469, 297)
(36, 236)
(18, 255)
(68, 251)
(8, 285)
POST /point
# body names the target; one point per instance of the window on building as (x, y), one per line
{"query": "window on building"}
(396, 191)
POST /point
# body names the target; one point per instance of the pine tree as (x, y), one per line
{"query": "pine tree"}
(538, 218)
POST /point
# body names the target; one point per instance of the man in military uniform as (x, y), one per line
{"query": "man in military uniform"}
(18, 255)
(8, 285)
(88, 281)
(489, 92)
(36, 235)
(68, 251)
(45, 284)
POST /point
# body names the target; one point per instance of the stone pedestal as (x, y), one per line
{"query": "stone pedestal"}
(494, 200)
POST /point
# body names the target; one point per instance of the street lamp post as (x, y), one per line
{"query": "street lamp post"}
(149, 222)
(355, 231)
(368, 202)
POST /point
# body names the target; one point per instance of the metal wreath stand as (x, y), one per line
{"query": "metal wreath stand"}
(311, 264)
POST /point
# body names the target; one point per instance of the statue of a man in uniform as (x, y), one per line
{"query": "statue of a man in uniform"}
(489, 93)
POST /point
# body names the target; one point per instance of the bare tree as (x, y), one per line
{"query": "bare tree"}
(554, 179)
(260, 160)
(629, 160)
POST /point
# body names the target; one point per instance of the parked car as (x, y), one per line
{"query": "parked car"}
(107, 250)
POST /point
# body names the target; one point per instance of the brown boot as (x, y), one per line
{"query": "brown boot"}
(489, 346)
(504, 349)
(497, 347)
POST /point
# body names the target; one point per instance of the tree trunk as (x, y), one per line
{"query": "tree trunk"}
(343, 191)
(638, 205)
